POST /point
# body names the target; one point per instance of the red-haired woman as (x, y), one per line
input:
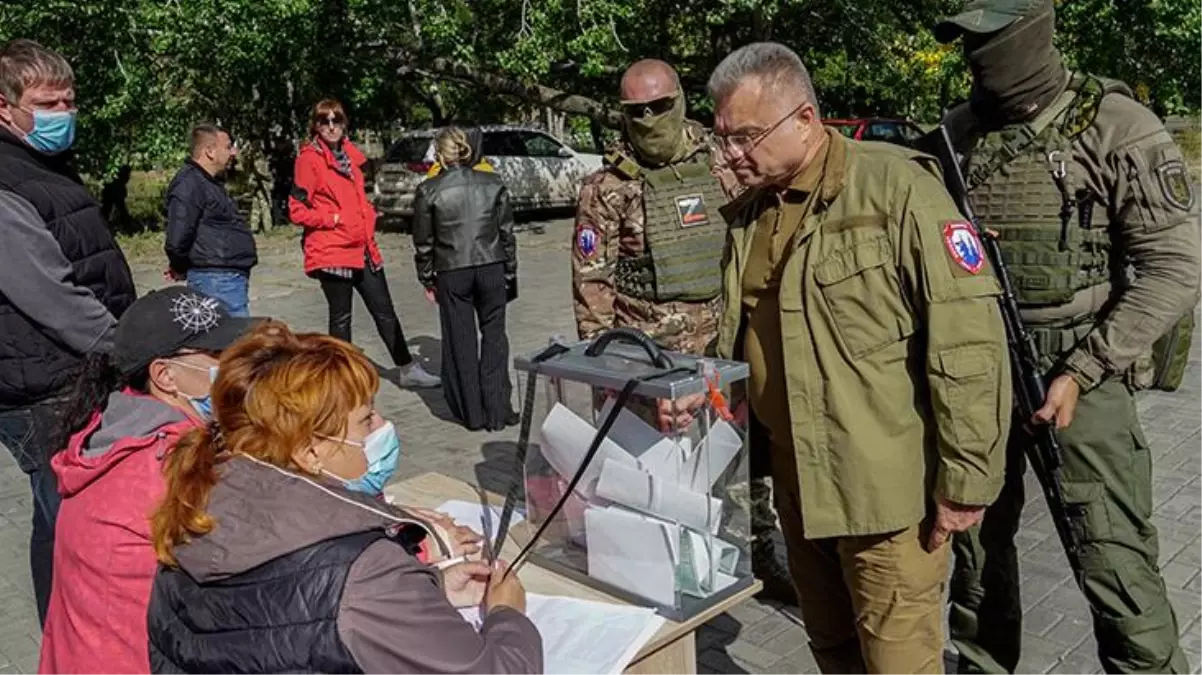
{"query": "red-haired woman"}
(329, 201)
(273, 559)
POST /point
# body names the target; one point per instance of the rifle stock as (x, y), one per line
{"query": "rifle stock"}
(1044, 454)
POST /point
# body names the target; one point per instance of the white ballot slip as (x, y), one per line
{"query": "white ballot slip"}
(471, 514)
(706, 568)
(714, 454)
(641, 491)
(664, 456)
(580, 636)
(633, 552)
(565, 441)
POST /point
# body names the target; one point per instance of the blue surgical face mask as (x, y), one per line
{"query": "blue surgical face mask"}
(53, 131)
(382, 448)
(203, 405)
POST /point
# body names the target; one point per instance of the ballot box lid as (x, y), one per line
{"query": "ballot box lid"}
(620, 362)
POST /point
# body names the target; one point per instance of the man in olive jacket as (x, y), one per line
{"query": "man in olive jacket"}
(867, 311)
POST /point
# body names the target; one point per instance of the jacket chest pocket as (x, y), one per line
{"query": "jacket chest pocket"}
(861, 289)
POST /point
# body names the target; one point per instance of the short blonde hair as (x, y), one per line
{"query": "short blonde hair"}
(451, 146)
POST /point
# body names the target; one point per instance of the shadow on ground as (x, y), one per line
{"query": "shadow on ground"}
(499, 468)
(427, 351)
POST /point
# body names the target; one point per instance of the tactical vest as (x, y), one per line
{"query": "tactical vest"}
(1026, 185)
(1023, 180)
(682, 231)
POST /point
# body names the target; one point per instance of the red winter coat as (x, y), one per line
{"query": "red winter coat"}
(110, 477)
(319, 192)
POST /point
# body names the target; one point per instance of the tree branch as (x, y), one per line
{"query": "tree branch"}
(574, 104)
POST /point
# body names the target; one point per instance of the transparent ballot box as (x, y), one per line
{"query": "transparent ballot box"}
(659, 518)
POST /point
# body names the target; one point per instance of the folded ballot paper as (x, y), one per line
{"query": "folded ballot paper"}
(651, 523)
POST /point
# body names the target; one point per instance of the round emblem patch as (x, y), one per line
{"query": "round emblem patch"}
(964, 246)
(586, 241)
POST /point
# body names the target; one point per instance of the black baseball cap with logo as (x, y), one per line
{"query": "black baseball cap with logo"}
(163, 322)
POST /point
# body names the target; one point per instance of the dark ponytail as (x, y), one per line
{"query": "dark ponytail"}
(98, 378)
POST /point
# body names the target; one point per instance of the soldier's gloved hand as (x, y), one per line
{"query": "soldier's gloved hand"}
(678, 415)
(951, 517)
(1061, 402)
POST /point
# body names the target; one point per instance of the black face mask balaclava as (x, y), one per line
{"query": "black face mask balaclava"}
(1017, 71)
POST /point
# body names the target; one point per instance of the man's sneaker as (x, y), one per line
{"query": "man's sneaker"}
(768, 569)
(414, 376)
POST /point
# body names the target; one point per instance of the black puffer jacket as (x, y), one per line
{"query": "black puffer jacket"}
(462, 218)
(38, 361)
(204, 228)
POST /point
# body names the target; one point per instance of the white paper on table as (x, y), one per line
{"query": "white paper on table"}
(639, 490)
(565, 441)
(633, 552)
(714, 454)
(580, 636)
(469, 514)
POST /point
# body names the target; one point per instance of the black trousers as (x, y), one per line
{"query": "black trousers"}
(373, 288)
(475, 372)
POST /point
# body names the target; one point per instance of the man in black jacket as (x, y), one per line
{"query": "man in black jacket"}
(208, 241)
(63, 280)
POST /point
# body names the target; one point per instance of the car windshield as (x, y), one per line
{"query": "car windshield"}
(408, 150)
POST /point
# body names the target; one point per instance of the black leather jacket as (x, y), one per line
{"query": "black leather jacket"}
(462, 218)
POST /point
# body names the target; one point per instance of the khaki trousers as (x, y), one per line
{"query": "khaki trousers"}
(870, 604)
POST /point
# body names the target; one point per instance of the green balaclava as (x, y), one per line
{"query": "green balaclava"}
(1017, 71)
(657, 139)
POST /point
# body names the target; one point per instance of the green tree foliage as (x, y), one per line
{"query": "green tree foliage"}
(148, 69)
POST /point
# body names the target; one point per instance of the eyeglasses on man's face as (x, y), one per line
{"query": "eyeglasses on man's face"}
(745, 143)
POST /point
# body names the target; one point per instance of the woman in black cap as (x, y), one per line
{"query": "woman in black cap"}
(127, 411)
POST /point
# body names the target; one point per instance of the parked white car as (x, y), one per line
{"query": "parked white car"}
(539, 170)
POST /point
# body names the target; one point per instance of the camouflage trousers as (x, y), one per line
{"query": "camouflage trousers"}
(1107, 477)
(756, 498)
(260, 213)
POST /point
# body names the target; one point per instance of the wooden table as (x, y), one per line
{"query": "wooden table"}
(672, 650)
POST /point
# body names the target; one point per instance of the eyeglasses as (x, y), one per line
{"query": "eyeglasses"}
(747, 143)
(651, 108)
(332, 121)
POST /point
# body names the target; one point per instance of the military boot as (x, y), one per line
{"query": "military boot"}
(778, 586)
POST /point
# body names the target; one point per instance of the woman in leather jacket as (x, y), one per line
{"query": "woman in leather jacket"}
(467, 259)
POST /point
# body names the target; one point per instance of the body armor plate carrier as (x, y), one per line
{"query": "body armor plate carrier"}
(683, 233)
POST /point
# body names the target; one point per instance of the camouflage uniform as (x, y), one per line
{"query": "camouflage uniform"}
(610, 219)
(610, 207)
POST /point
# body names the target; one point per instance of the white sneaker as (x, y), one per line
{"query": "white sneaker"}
(414, 376)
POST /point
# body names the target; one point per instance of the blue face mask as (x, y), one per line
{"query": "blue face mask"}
(203, 405)
(382, 448)
(53, 131)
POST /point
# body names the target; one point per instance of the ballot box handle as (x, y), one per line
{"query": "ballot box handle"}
(632, 337)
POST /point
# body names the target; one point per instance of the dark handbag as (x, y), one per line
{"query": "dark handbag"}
(511, 288)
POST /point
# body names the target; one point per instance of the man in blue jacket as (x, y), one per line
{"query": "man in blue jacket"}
(208, 241)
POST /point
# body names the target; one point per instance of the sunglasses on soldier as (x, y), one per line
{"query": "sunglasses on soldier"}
(651, 108)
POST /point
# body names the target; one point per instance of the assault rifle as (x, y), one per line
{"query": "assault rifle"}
(1044, 454)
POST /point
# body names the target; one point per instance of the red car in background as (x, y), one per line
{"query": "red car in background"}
(901, 132)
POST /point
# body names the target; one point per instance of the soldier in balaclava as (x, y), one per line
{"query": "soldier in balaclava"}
(1098, 224)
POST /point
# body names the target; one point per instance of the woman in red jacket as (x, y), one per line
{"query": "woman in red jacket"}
(329, 201)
